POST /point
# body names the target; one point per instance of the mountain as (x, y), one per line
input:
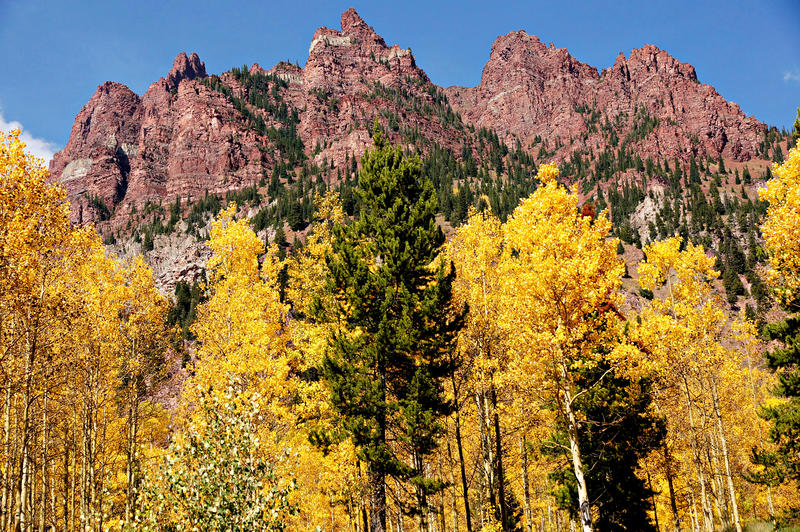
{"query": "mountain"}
(190, 134)
(529, 89)
(644, 138)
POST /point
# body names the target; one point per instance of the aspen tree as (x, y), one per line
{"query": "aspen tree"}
(562, 276)
(781, 231)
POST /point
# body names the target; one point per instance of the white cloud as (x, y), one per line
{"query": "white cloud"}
(792, 75)
(39, 147)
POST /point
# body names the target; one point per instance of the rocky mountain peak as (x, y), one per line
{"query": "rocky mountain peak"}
(183, 139)
(651, 60)
(355, 32)
(185, 68)
(256, 69)
(354, 26)
(518, 54)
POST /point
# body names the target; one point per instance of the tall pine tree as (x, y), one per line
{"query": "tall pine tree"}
(392, 328)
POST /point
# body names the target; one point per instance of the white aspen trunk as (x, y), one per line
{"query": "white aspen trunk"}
(73, 480)
(52, 487)
(577, 464)
(43, 504)
(12, 494)
(22, 503)
(724, 444)
(9, 461)
(707, 519)
(102, 474)
(23, 488)
(84, 466)
(720, 496)
(486, 451)
(693, 511)
(526, 495)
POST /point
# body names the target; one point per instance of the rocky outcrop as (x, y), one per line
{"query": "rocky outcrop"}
(529, 89)
(693, 117)
(191, 142)
(185, 68)
(352, 76)
(94, 166)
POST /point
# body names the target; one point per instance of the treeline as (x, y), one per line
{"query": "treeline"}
(380, 378)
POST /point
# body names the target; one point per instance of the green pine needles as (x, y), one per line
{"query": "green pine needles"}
(394, 327)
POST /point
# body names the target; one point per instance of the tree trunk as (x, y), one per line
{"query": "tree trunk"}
(724, 444)
(464, 487)
(454, 496)
(584, 506)
(707, 519)
(486, 450)
(377, 502)
(24, 496)
(720, 497)
(15, 457)
(68, 493)
(422, 502)
(653, 499)
(43, 503)
(526, 492)
(670, 483)
(9, 461)
(498, 442)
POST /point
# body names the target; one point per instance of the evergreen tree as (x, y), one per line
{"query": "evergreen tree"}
(280, 240)
(147, 243)
(295, 214)
(733, 285)
(796, 128)
(619, 430)
(393, 327)
(783, 463)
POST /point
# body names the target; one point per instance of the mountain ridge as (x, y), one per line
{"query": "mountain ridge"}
(192, 134)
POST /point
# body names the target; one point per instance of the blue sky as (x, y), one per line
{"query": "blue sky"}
(55, 53)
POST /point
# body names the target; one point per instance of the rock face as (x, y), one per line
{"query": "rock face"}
(181, 138)
(190, 133)
(178, 140)
(94, 166)
(352, 76)
(529, 89)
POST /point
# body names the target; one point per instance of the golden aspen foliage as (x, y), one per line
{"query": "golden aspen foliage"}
(781, 228)
(242, 330)
(73, 319)
(307, 268)
(476, 251)
(707, 387)
(562, 277)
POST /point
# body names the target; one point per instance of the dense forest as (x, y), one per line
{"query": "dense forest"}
(378, 375)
